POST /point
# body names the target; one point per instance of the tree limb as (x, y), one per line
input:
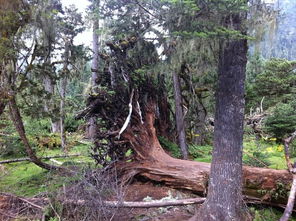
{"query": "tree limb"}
(42, 158)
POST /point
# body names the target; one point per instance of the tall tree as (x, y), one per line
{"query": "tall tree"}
(224, 200)
(179, 114)
(92, 121)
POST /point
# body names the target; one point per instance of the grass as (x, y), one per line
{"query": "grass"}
(27, 179)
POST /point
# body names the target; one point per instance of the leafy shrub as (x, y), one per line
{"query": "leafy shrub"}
(283, 120)
(49, 141)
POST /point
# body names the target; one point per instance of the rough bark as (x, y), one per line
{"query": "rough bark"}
(64, 82)
(224, 201)
(179, 115)
(49, 87)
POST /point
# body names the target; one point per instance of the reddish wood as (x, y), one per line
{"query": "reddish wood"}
(151, 161)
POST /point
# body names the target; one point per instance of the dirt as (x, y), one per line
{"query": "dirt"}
(12, 208)
(142, 191)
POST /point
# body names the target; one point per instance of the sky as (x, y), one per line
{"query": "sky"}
(85, 38)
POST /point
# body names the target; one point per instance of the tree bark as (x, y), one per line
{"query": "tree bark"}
(224, 201)
(179, 116)
(64, 82)
(92, 122)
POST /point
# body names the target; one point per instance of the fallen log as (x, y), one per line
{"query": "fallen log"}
(43, 158)
(270, 186)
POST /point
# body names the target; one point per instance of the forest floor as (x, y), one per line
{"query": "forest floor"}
(24, 180)
(14, 208)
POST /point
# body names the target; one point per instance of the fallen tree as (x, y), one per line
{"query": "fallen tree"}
(136, 113)
(270, 186)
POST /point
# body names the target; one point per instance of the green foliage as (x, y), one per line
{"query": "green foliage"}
(25, 179)
(263, 153)
(173, 148)
(10, 143)
(277, 82)
(282, 122)
(201, 153)
(72, 124)
(267, 214)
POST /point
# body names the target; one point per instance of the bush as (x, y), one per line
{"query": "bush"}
(283, 120)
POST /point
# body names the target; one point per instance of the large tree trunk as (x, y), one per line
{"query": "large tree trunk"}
(179, 115)
(151, 161)
(224, 201)
(92, 122)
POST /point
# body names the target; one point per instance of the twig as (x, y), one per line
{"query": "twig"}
(8, 215)
(23, 199)
(32, 204)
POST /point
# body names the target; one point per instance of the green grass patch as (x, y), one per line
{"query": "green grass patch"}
(25, 179)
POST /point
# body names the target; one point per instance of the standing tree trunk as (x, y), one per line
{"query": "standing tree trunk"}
(92, 122)
(180, 123)
(64, 82)
(224, 201)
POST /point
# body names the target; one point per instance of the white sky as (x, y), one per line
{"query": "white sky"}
(84, 38)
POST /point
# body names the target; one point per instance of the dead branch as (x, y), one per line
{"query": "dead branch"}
(42, 158)
(129, 115)
(292, 169)
(127, 204)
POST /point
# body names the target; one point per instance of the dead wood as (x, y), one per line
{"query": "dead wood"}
(270, 186)
(292, 170)
(42, 158)
(127, 204)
